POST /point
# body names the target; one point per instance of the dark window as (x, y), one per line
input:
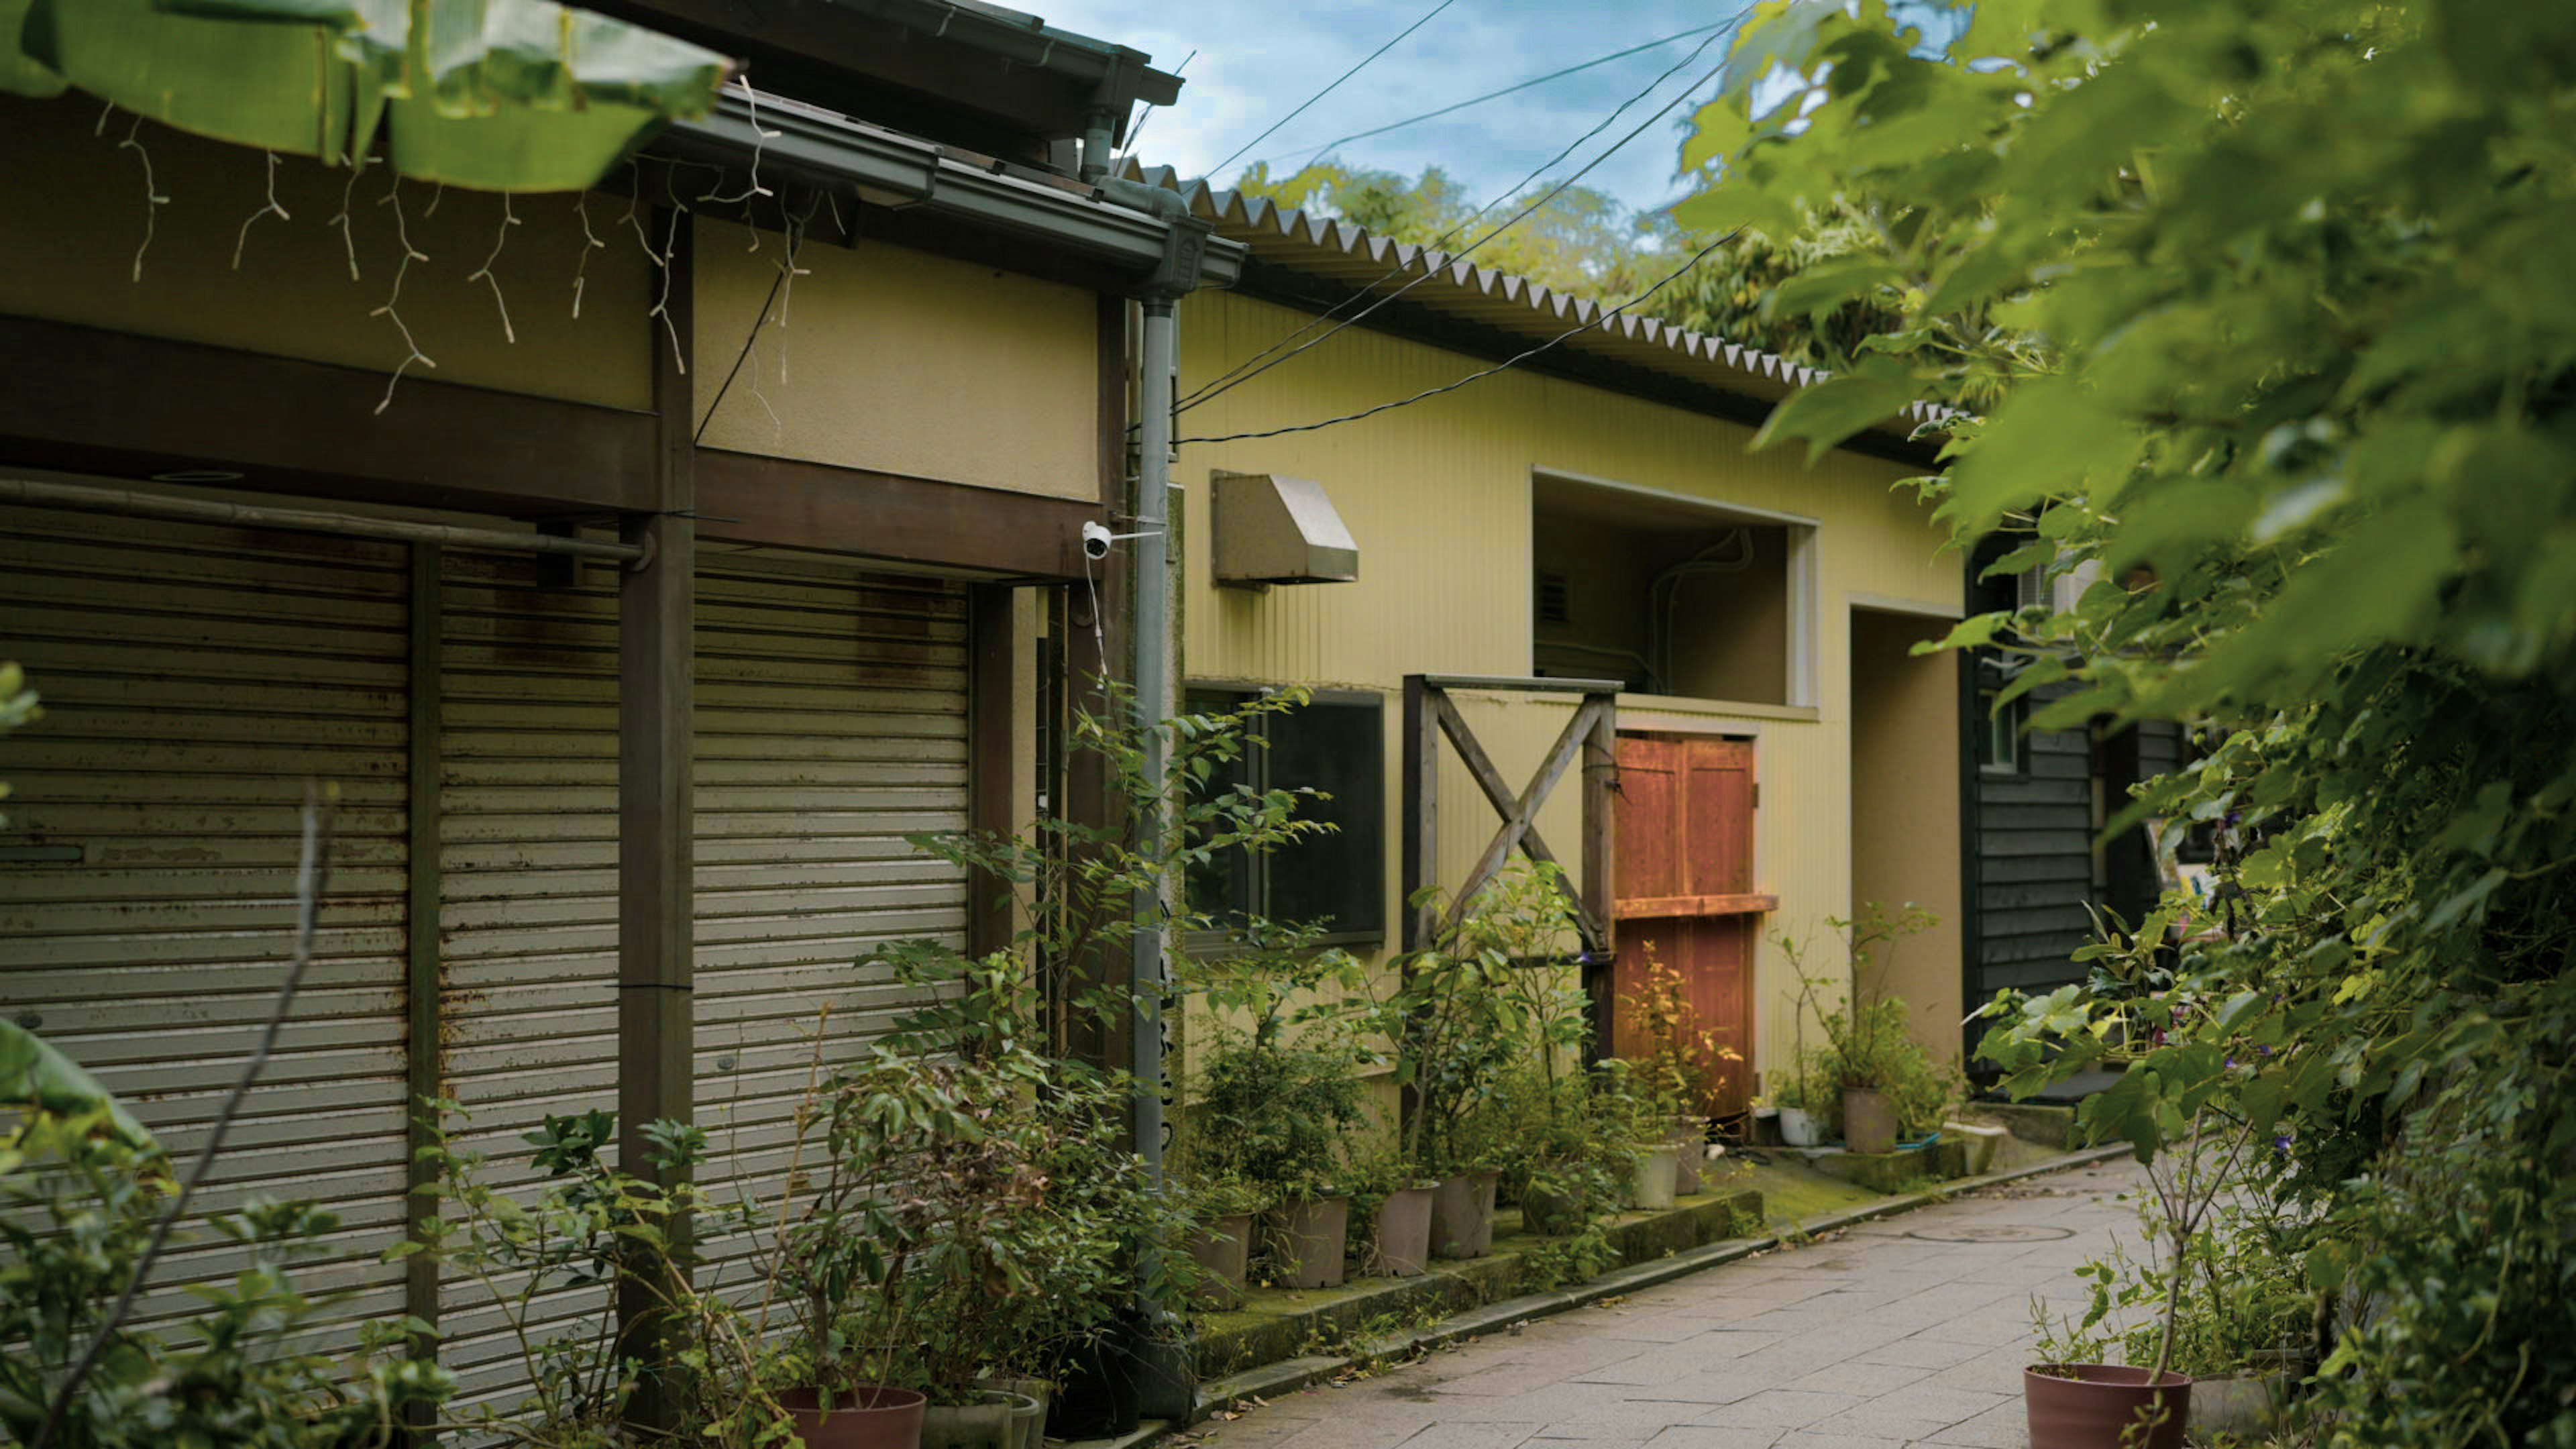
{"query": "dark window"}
(1335, 744)
(1998, 731)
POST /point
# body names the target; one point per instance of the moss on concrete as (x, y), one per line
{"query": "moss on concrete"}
(1274, 1324)
(1793, 1192)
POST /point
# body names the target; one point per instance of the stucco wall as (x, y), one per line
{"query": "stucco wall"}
(73, 216)
(899, 361)
(1438, 497)
(1905, 810)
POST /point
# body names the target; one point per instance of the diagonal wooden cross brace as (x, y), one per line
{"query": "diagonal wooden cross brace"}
(1520, 811)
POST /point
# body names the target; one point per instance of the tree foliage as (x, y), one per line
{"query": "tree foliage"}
(507, 95)
(1578, 240)
(2291, 374)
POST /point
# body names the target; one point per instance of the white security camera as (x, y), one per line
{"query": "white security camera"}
(1095, 540)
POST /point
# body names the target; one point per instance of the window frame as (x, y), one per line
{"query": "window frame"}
(1258, 884)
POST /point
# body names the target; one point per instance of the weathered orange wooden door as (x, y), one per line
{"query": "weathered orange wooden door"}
(1684, 892)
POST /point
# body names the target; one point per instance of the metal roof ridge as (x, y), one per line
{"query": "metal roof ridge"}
(1707, 349)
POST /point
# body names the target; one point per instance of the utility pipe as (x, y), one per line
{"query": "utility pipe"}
(1152, 635)
(93, 499)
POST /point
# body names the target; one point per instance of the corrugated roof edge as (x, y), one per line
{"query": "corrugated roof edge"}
(1258, 219)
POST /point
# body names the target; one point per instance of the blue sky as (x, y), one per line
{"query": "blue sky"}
(1257, 59)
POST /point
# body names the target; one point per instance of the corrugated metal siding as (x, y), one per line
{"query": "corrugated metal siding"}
(193, 678)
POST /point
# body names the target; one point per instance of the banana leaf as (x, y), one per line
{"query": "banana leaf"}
(501, 95)
(33, 1073)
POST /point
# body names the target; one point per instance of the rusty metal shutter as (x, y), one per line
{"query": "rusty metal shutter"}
(194, 676)
(831, 724)
(528, 906)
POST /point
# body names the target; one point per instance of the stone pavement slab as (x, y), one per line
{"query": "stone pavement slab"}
(1906, 1330)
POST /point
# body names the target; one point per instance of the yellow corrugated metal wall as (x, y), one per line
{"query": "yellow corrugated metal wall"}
(1438, 496)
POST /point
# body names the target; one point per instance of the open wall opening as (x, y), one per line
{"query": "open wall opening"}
(1905, 809)
(1668, 595)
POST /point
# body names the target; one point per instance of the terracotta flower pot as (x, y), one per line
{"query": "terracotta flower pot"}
(870, 1416)
(1462, 1215)
(1310, 1237)
(1690, 1150)
(1404, 1233)
(985, 1424)
(1651, 1186)
(2105, 1406)
(1869, 1120)
(1222, 1249)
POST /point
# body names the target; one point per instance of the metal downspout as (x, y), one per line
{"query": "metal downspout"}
(1153, 642)
(1167, 1388)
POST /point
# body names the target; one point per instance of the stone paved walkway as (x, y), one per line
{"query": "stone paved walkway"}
(1883, 1334)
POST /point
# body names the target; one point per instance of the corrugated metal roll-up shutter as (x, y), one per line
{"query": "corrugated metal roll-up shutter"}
(528, 916)
(831, 724)
(194, 677)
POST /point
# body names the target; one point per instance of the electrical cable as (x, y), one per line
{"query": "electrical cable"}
(1517, 358)
(1147, 114)
(1595, 62)
(1246, 370)
(759, 320)
(1337, 80)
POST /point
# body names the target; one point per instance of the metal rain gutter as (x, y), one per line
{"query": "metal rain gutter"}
(901, 170)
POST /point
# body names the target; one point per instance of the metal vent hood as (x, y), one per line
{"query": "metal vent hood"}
(1274, 530)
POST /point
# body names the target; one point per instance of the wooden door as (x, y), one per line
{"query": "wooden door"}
(1684, 893)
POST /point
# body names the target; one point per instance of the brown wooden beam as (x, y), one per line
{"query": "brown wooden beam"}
(655, 828)
(752, 498)
(1519, 830)
(1649, 907)
(1421, 810)
(992, 709)
(88, 400)
(1600, 868)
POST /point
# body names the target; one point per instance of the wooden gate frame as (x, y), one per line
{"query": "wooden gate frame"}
(1429, 714)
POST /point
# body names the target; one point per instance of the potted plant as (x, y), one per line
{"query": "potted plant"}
(1492, 992)
(1276, 1096)
(1391, 1202)
(1806, 1118)
(1869, 1046)
(1222, 1212)
(1678, 1063)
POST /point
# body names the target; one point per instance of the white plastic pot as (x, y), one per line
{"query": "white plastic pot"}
(1799, 1127)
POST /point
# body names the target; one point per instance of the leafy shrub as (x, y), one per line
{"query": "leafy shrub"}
(83, 1192)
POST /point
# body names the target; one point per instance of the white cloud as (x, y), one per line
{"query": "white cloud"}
(1256, 62)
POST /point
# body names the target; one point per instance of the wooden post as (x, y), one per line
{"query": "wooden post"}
(421, 973)
(1600, 857)
(991, 707)
(655, 719)
(1421, 809)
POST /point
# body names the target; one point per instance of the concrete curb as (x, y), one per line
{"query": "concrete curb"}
(1298, 1373)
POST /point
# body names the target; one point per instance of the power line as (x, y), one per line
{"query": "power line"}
(1595, 62)
(1517, 358)
(1137, 131)
(1337, 80)
(1245, 371)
